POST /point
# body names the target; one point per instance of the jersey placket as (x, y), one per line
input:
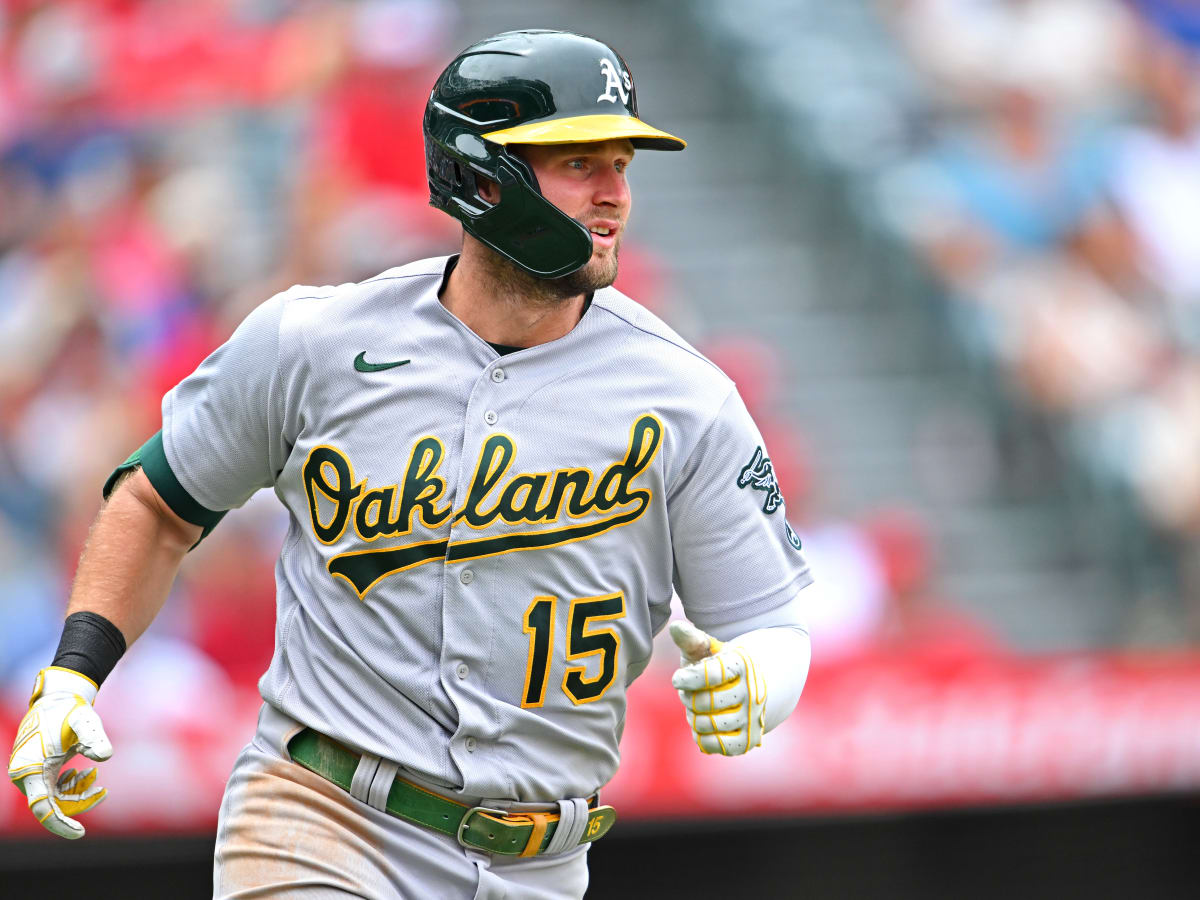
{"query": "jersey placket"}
(466, 617)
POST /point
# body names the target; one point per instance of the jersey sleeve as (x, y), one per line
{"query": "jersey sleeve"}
(222, 434)
(735, 555)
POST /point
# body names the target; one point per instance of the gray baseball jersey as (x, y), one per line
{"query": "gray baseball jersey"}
(481, 547)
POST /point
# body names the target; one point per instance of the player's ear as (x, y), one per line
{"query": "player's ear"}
(488, 189)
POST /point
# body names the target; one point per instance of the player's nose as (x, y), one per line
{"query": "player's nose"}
(612, 190)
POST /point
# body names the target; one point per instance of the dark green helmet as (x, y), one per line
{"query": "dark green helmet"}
(526, 87)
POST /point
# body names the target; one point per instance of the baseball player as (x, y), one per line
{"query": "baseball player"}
(497, 469)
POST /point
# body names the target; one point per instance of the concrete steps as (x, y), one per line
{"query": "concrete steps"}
(867, 376)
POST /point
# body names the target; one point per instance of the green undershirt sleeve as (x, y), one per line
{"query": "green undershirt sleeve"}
(152, 459)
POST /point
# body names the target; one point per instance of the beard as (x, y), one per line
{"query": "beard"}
(596, 273)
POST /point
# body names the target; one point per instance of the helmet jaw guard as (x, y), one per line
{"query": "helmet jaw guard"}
(522, 226)
(531, 87)
(530, 231)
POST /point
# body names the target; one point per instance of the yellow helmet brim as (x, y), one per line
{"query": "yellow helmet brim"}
(581, 129)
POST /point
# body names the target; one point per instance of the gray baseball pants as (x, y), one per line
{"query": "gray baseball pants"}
(285, 832)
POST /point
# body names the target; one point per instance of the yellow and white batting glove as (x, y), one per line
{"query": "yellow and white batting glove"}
(59, 724)
(723, 694)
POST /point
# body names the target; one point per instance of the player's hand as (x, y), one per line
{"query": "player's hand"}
(59, 724)
(722, 693)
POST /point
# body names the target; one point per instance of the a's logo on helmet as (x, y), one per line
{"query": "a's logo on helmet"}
(614, 81)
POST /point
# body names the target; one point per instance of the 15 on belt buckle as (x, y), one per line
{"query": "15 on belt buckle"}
(600, 819)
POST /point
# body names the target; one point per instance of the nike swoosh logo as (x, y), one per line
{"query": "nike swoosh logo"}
(361, 364)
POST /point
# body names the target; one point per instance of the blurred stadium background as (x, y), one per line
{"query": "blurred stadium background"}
(950, 252)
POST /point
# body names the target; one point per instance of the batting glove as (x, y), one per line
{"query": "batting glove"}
(723, 695)
(59, 724)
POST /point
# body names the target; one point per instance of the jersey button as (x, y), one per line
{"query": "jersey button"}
(462, 670)
(469, 743)
(497, 375)
(490, 417)
(467, 576)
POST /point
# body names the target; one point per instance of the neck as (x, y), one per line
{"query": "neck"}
(506, 305)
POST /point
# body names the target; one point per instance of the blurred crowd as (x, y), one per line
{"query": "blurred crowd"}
(1053, 186)
(164, 167)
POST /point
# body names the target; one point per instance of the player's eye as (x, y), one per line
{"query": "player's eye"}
(576, 164)
(620, 165)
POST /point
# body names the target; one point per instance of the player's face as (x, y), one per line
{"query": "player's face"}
(587, 182)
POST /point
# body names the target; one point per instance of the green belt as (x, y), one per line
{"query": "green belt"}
(493, 830)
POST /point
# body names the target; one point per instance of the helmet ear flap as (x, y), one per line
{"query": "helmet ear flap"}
(526, 228)
(522, 226)
(522, 169)
(507, 168)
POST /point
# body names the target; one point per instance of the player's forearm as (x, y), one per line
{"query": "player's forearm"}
(778, 642)
(782, 654)
(132, 555)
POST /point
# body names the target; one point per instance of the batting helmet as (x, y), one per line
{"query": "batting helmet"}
(526, 87)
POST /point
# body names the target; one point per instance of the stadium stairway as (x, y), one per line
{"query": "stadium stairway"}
(757, 242)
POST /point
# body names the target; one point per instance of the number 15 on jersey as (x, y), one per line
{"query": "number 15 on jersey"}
(585, 639)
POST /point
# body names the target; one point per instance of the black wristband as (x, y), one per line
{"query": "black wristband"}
(90, 644)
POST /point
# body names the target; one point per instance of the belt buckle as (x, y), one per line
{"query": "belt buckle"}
(466, 821)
